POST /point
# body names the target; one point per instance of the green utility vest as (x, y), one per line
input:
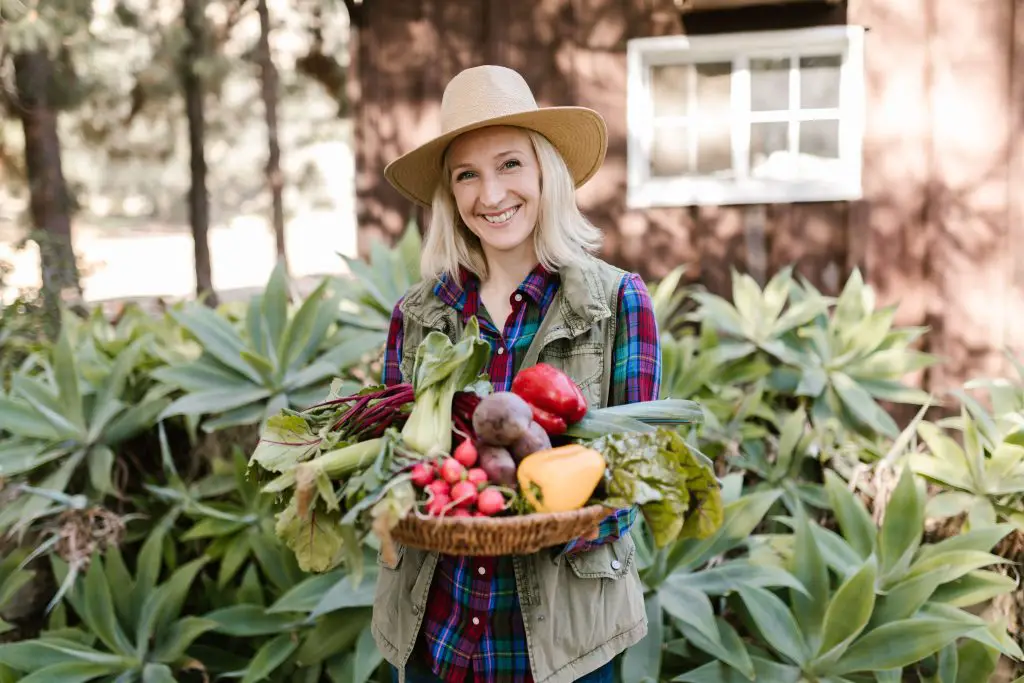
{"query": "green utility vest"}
(581, 610)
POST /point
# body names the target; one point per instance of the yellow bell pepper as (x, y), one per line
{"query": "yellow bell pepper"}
(564, 477)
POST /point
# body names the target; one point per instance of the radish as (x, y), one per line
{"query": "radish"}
(437, 505)
(461, 512)
(490, 501)
(452, 470)
(477, 476)
(422, 474)
(438, 487)
(464, 494)
(465, 453)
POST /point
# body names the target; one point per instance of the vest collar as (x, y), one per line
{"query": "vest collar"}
(581, 303)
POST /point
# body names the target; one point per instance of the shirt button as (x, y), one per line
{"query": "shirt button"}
(616, 565)
(501, 350)
(476, 622)
(481, 571)
(518, 297)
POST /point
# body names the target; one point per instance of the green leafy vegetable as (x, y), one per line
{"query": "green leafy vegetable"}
(674, 485)
(442, 369)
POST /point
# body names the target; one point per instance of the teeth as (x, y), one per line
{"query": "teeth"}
(502, 217)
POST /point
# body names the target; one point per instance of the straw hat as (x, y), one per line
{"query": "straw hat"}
(494, 95)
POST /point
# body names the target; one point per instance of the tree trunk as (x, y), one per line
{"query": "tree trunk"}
(268, 81)
(198, 201)
(50, 205)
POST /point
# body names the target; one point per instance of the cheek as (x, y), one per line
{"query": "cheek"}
(463, 203)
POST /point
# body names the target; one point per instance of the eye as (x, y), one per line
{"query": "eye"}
(463, 176)
(511, 163)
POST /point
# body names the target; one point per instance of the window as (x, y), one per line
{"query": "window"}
(746, 118)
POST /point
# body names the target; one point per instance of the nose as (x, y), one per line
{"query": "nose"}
(492, 191)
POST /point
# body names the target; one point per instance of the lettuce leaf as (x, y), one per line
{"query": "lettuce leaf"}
(674, 486)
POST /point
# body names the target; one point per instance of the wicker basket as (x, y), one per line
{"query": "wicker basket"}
(488, 536)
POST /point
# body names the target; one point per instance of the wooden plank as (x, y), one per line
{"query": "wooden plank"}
(890, 231)
(973, 253)
(1014, 316)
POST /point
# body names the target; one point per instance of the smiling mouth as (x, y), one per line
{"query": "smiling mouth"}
(503, 217)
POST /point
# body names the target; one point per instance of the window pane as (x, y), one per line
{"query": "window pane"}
(819, 82)
(670, 151)
(820, 139)
(769, 84)
(714, 149)
(769, 145)
(670, 89)
(714, 90)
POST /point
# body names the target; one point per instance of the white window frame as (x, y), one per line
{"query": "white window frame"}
(643, 191)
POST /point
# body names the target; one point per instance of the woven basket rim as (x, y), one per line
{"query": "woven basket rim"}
(510, 521)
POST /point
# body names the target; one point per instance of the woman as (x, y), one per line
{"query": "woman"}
(506, 243)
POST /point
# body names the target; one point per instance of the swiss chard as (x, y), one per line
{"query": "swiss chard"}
(674, 486)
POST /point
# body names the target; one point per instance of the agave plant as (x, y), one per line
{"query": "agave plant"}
(277, 361)
(873, 601)
(228, 516)
(837, 629)
(132, 628)
(55, 423)
(982, 479)
(682, 581)
(319, 625)
(372, 289)
(841, 361)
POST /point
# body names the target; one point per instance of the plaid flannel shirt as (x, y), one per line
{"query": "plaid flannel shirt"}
(473, 626)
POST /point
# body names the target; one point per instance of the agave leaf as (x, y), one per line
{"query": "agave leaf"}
(299, 330)
(65, 369)
(217, 337)
(900, 534)
(775, 624)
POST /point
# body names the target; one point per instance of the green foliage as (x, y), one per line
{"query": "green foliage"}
(837, 358)
(131, 624)
(58, 420)
(277, 360)
(803, 580)
(373, 287)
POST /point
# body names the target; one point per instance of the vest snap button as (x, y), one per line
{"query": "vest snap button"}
(616, 565)
(540, 617)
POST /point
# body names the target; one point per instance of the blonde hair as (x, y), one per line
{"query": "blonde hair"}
(561, 237)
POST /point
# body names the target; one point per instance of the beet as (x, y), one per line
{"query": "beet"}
(501, 418)
(497, 462)
(535, 439)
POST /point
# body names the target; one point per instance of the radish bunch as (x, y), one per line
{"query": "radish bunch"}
(455, 487)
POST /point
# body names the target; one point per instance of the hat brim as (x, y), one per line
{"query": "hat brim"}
(579, 134)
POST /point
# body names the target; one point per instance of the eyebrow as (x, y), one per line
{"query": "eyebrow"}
(496, 156)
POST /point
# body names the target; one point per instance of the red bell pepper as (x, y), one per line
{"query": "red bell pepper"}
(550, 423)
(551, 390)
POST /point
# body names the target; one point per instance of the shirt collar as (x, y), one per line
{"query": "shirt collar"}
(452, 291)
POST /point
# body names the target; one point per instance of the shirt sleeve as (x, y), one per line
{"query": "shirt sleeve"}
(636, 377)
(392, 371)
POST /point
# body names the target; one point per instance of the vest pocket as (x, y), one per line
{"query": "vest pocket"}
(612, 560)
(399, 554)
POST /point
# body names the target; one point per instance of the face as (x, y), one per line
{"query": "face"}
(495, 179)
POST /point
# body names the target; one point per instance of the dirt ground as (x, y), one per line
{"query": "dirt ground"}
(149, 261)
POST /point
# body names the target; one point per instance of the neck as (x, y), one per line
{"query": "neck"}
(506, 270)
